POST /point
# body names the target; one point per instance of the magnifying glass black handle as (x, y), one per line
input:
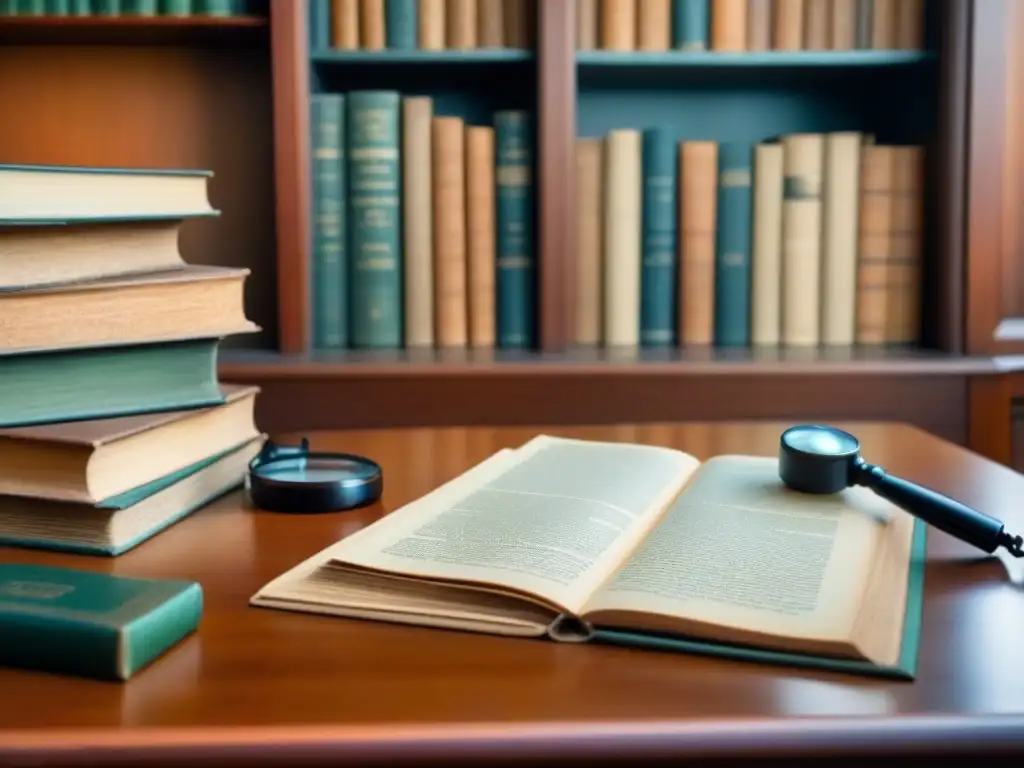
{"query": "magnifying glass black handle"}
(935, 509)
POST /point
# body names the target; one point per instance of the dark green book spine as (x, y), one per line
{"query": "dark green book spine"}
(107, 7)
(732, 245)
(375, 215)
(658, 248)
(214, 8)
(515, 263)
(690, 21)
(176, 7)
(58, 7)
(32, 7)
(330, 275)
(142, 7)
(400, 24)
(81, 7)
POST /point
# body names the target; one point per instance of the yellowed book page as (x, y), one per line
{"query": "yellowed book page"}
(742, 556)
(553, 519)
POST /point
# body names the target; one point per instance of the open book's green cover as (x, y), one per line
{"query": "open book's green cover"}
(905, 669)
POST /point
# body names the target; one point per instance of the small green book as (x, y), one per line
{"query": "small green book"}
(91, 624)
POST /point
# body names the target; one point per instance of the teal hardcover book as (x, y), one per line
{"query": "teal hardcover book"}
(48, 195)
(643, 546)
(88, 624)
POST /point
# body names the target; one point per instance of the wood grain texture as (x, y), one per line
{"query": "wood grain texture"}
(995, 306)
(259, 687)
(556, 170)
(289, 52)
(990, 417)
(160, 107)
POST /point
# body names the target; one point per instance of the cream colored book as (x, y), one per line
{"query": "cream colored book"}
(646, 546)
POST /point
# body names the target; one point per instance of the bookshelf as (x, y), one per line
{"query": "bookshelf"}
(235, 95)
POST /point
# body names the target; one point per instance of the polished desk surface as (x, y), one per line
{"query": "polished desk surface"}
(260, 685)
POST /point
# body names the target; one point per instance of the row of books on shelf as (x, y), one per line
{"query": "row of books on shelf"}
(422, 224)
(806, 239)
(749, 25)
(422, 24)
(113, 424)
(124, 7)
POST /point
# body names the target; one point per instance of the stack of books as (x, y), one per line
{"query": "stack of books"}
(113, 424)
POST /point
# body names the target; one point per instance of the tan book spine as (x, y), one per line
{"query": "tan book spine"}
(345, 24)
(766, 270)
(817, 25)
(698, 173)
(910, 25)
(622, 212)
(803, 161)
(431, 24)
(788, 25)
(480, 233)
(517, 20)
(490, 24)
(904, 296)
(728, 25)
(589, 262)
(586, 25)
(461, 24)
(877, 169)
(759, 25)
(844, 25)
(418, 222)
(371, 24)
(883, 24)
(839, 239)
(654, 25)
(451, 315)
(618, 25)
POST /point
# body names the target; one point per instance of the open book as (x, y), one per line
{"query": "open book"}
(640, 545)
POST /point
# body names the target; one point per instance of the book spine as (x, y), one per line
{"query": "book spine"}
(618, 25)
(34, 7)
(732, 245)
(84, 8)
(690, 24)
(61, 7)
(877, 169)
(586, 25)
(788, 27)
(801, 238)
(345, 24)
(519, 23)
(106, 7)
(817, 24)
(698, 213)
(883, 24)
(418, 224)
(513, 136)
(319, 20)
(138, 7)
(330, 278)
(904, 295)
(480, 233)
(765, 292)
(622, 236)
(374, 139)
(461, 24)
(654, 25)
(221, 8)
(490, 24)
(759, 25)
(589, 195)
(371, 25)
(863, 23)
(910, 25)
(728, 25)
(430, 25)
(449, 177)
(844, 25)
(400, 20)
(658, 265)
(839, 239)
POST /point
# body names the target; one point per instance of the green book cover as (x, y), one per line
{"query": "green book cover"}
(89, 624)
(905, 668)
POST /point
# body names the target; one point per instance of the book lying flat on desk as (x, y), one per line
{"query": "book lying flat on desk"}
(637, 545)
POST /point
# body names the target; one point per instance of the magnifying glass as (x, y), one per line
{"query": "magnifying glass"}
(293, 479)
(821, 459)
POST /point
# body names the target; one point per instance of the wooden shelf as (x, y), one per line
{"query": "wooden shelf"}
(131, 30)
(589, 363)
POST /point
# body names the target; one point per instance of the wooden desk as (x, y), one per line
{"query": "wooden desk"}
(269, 687)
